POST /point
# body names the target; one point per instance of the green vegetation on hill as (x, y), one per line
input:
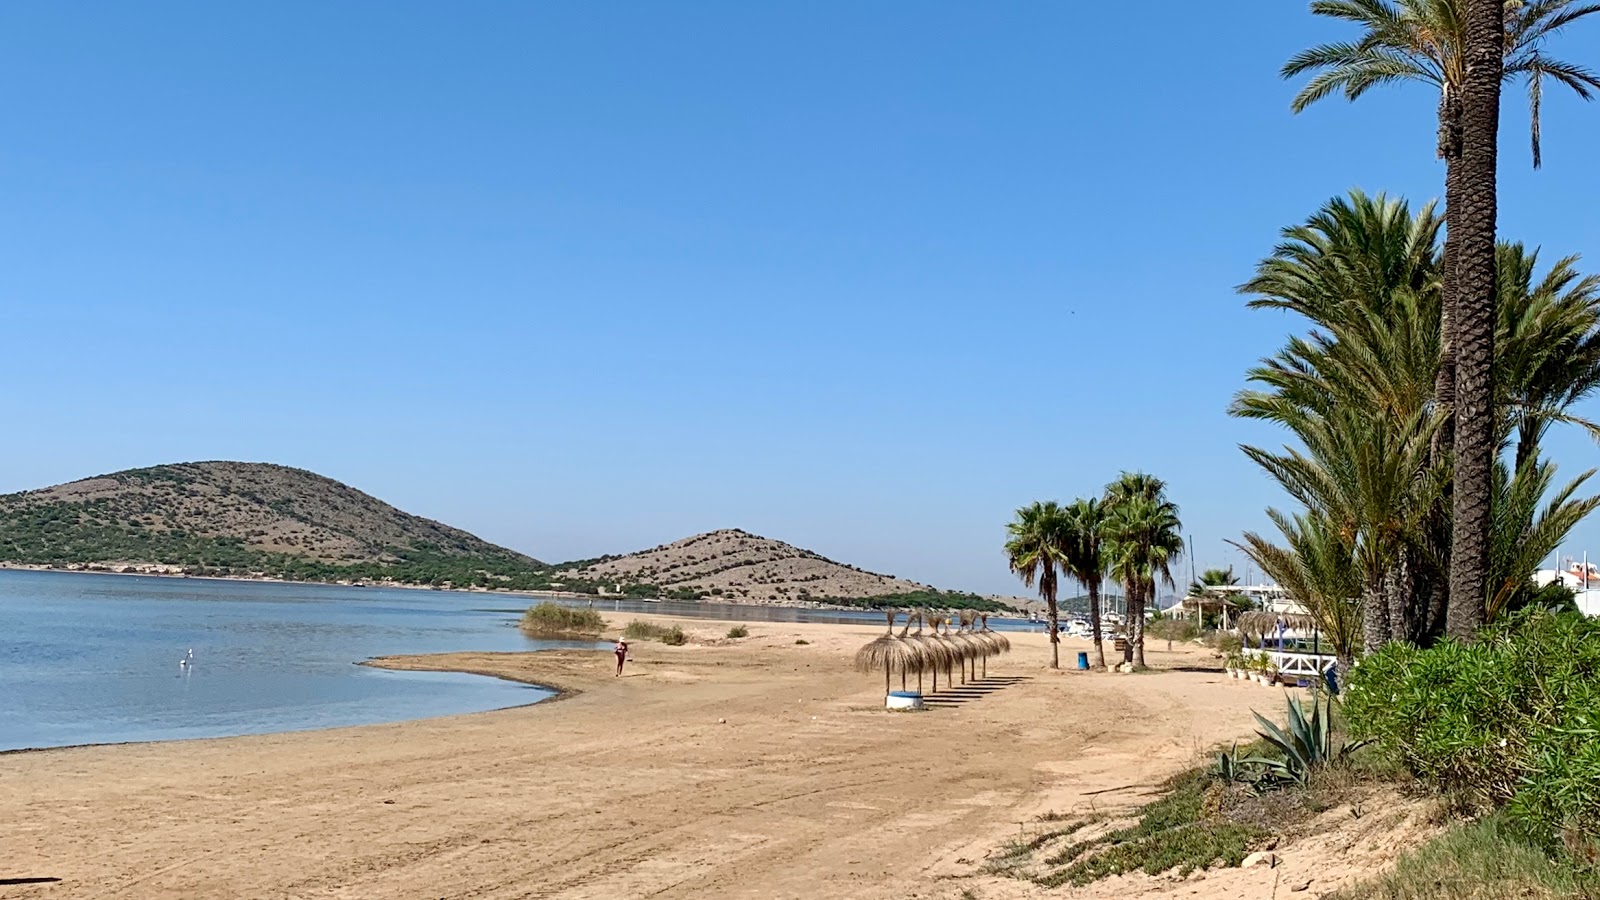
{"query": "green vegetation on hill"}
(931, 599)
(257, 520)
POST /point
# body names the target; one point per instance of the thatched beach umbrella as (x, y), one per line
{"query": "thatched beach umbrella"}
(933, 655)
(1002, 644)
(997, 643)
(887, 651)
(966, 647)
(977, 647)
(1261, 623)
(952, 651)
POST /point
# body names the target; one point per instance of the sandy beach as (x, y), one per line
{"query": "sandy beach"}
(761, 767)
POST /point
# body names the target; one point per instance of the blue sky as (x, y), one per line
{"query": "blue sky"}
(583, 278)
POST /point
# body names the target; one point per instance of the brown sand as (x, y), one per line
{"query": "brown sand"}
(628, 787)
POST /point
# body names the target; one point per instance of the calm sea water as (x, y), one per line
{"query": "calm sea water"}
(94, 658)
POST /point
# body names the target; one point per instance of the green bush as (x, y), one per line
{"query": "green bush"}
(738, 631)
(554, 620)
(649, 631)
(1512, 721)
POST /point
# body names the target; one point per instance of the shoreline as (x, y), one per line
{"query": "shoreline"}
(706, 771)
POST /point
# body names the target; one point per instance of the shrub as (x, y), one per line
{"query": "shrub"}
(554, 620)
(1175, 832)
(649, 631)
(738, 631)
(1172, 629)
(801, 642)
(1225, 641)
(1513, 720)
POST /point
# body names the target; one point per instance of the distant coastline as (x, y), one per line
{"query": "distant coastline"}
(79, 569)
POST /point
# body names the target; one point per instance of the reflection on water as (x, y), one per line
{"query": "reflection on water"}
(96, 658)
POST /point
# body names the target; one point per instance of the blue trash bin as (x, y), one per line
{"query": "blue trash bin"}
(1083, 660)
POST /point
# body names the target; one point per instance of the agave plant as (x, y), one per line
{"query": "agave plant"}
(1307, 744)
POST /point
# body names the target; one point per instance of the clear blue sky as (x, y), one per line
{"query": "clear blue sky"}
(583, 278)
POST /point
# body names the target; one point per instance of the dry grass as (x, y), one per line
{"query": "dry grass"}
(1485, 860)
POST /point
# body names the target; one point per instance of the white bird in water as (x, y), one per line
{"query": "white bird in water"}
(184, 661)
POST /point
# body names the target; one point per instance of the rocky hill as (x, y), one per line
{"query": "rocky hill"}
(736, 565)
(242, 519)
(261, 520)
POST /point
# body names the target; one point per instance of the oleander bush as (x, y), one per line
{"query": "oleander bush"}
(1510, 722)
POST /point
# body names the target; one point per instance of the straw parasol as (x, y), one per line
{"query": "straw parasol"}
(934, 653)
(886, 652)
(998, 643)
(1002, 644)
(953, 655)
(1262, 623)
(972, 647)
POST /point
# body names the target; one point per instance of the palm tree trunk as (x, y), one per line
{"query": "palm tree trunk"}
(1473, 223)
(1398, 597)
(1444, 386)
(1094, 624)
(1128, 601)
(1050, 609)
(1138, 627)
(1375, 631)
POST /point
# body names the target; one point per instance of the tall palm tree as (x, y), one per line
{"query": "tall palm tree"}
(1037, 552)
(1474, 291)
(1424, 41)
(1145, 539)
(1086, 562)
(1361, 271)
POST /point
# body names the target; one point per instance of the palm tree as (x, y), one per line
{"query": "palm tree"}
(1474, 291)
(1425, 41)
(1085, 561)
(1356, 391)
(1527, 529)
(1145, 539)
(1037, 553)
(1318, 568)
(1547, 346)
(1201, 590)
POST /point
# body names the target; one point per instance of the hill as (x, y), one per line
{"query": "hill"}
(233, 518)
(739, 566)
(268, 521)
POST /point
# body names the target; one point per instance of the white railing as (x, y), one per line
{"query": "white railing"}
(1292, 664)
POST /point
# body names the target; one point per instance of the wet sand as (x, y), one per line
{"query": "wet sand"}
(751, 768)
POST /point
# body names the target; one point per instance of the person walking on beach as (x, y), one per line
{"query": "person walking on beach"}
(622, 655)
